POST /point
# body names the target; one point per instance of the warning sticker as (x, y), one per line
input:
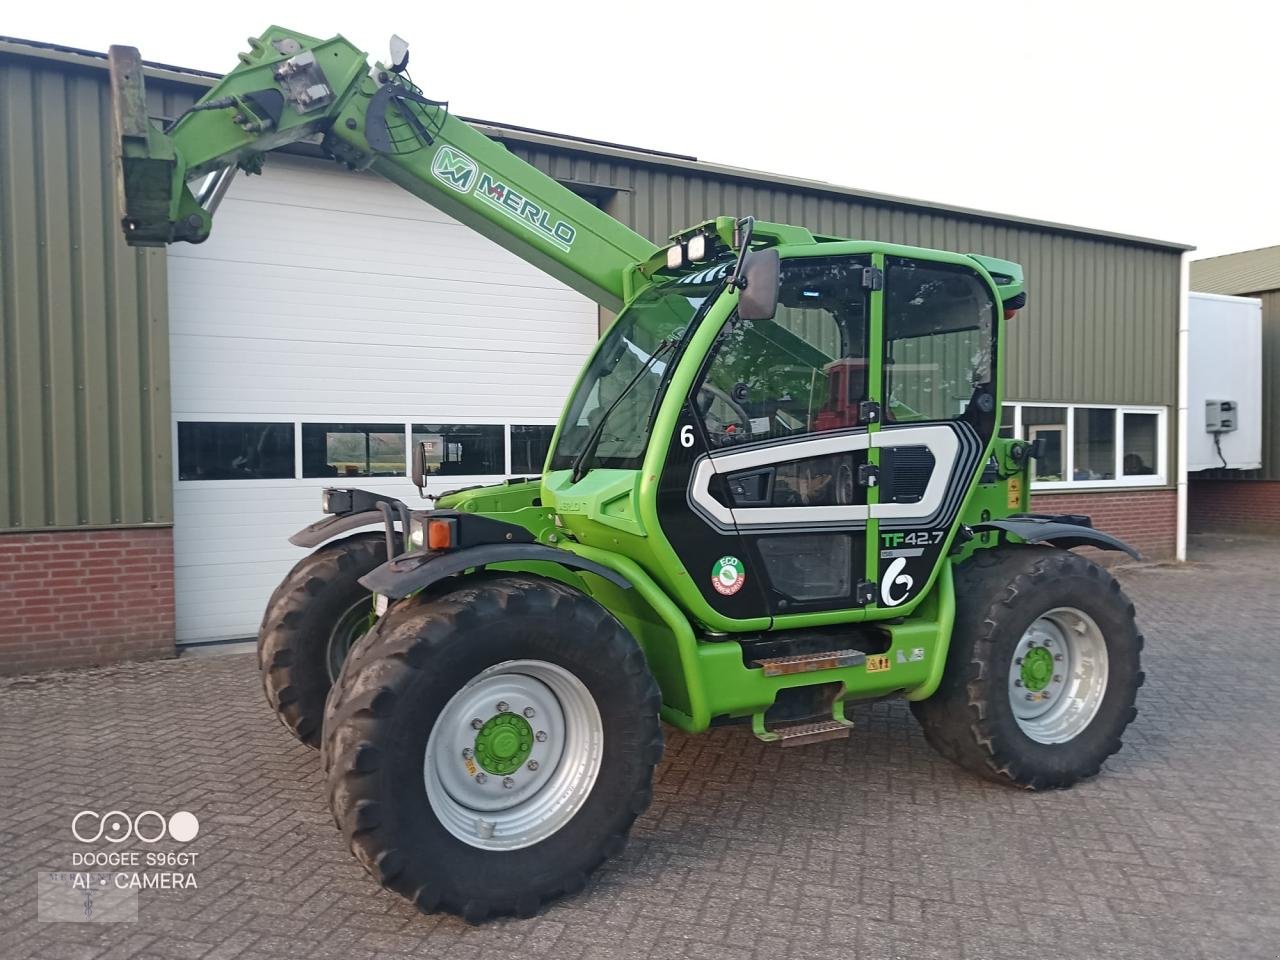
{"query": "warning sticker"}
(728, 575)
(878, 663)
(1015, 491)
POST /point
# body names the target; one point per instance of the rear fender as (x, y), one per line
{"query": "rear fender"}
(1057, 532)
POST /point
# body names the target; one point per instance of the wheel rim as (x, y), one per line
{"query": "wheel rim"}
(351, 626)
(1058, 675)
(513, 755)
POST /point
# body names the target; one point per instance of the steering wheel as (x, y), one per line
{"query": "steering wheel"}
(708, 394)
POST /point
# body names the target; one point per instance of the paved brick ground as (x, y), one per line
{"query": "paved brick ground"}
(870, 848)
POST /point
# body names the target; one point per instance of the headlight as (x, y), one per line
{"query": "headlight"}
(416, 535)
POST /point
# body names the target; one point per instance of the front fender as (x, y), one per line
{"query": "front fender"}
(411, 572)
(1058, 533)
(314, 534)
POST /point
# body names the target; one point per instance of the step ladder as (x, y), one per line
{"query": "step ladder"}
(813, 731)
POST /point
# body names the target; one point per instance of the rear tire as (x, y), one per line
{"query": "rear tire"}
(445, 792)
(311, 622)
(1042, 673)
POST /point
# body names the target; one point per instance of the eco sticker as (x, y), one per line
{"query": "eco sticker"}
(728, 575)
(878, 663)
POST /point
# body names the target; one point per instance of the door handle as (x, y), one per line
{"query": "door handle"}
(752, 488)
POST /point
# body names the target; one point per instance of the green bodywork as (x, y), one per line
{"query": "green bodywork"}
(609, 515)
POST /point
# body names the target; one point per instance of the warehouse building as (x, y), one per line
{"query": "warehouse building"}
(170, 416)
(1245, 499)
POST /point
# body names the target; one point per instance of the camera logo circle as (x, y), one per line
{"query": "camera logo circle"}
(150, 826)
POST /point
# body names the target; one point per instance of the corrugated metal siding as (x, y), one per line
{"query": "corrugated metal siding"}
(1270, 386)
(1102, 321)
(84, 358)
(1233, 273)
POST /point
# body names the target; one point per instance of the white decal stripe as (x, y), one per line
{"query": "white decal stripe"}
(941, 440)
(943, 444)
(784, 453)
(772, 455)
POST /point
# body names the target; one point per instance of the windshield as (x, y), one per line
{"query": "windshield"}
(666, 312)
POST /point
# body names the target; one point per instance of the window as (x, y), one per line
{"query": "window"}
(1008, 427)
(1048, 425)
(1091, 446)
(939, 324)
(804, 371)
(353, 450)
(629, 369)
(464, 449)
(1095, 444)
(235, 451)
(529, 446)
(1141, 444)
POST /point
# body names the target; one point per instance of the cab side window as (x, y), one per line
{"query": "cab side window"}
(939, 335)
(804, 371)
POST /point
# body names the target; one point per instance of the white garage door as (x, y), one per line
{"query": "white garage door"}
(328, 318)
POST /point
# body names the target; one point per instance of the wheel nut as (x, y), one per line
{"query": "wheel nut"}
(466, 753)
(503, 706)
(1017, 683)
(533, 764)
(508, 782)
(477, 723)
(1057, 678)
(1031, 696)
(481, 778)
(1057, 657)
(528, 712)
(1017, 661)
(540, 736)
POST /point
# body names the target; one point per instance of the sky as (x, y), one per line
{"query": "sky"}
(1156, 119)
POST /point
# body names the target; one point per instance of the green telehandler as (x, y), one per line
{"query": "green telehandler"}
(777, 487)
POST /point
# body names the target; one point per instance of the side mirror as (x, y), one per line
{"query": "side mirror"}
(419, 471)
(399, 54)
(759, 281)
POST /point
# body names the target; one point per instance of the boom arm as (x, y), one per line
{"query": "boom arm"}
(290, 87)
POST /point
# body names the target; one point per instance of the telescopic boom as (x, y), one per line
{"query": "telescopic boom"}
(289, 88)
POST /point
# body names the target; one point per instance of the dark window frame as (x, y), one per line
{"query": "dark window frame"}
(313, 455)
(418, 431)
(284, 462)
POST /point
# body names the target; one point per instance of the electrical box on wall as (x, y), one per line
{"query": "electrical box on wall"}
(1224, 379)
(1219, 416)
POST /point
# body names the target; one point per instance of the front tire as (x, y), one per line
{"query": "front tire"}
(1043, 669)
(311, 622)
(489, 748)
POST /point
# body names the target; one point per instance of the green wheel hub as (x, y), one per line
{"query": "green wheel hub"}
(503, 743)
(1037, 669)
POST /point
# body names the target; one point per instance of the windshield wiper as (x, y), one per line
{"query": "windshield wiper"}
(593, 439)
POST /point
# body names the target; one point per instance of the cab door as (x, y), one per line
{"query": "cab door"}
(939, 397)
(782, 408)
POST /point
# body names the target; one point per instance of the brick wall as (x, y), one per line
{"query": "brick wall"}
(85, 597)
(1145, 519)
(1246, 505)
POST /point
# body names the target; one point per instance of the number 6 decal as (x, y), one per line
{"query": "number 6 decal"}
(686, 435)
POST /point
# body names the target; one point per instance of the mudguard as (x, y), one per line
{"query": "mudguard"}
(317, 533)
(411, 572)
(1055, 531)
